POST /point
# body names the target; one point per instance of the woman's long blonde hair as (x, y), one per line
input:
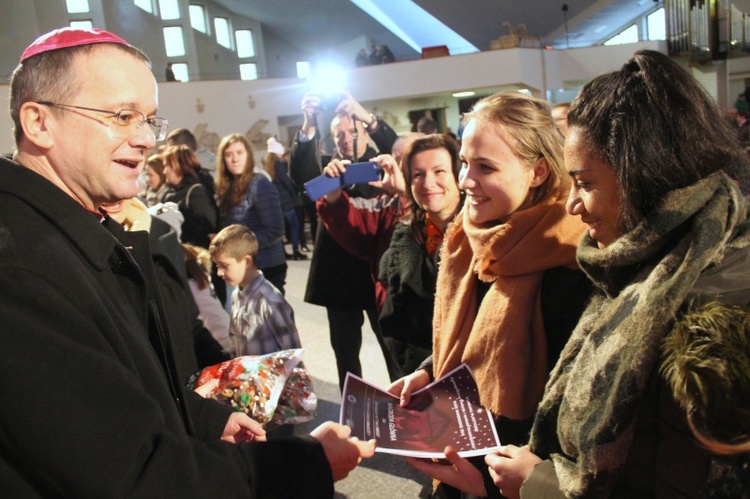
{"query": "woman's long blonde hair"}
(527, 126)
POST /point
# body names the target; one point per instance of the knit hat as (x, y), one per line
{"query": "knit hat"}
(69, 37)
(275, 146)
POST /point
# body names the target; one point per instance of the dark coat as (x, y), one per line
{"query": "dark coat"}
(337, 279)
(409, 276)
(198, 209)
(194, 347)
(91, 404)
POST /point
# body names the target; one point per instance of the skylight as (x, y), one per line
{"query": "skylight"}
(414, 25)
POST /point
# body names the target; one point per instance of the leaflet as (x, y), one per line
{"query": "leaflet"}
(445, 412)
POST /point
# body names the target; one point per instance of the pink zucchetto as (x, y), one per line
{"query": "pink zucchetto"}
(69, 37)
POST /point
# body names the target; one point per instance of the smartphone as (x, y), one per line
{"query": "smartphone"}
(356, 173)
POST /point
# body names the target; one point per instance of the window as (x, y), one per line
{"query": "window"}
(82, 24)
(198, 18)
(169, 9)
(146, 5)
(657, 25)
(245, 45)
(249, 71)
(181, 71)
(174, 42)
(630, 35)
(221, 25)
(304, 72)
(77, 6)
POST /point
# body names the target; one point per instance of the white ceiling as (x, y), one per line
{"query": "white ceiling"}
(316, 25)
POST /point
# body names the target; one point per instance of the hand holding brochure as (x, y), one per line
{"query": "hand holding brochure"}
(445, 412)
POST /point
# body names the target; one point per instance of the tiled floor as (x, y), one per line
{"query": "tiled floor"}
(384, 475)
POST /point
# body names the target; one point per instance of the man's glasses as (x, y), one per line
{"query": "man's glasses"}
(126, 123)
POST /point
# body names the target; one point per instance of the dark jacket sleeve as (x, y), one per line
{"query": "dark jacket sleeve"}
(384, 137)
(303, 161)
(267, 206)
(99, 432)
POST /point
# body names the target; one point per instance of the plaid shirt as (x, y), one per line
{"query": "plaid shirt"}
(262, 320)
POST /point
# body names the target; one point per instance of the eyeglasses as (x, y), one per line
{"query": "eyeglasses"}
(126, 122)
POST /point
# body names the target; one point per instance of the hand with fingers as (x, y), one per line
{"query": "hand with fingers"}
(510, 466)
(335, 168)
(456, 472)
(404, 387)
(393, 180)
(343, 453)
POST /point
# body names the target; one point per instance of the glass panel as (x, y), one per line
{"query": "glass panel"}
(245, 45)
(77, 6)
(82, 24)
(173, 41)
(198, 18)
(221, 25)
(181, 71)
(146, 5)
(169, 9)
(657, 25)
(630, 35)
(304, 72)
(249, 71)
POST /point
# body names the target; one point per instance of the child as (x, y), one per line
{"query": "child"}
(262, 321)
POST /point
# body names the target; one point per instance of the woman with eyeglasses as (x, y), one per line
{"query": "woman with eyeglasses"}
(193, 199)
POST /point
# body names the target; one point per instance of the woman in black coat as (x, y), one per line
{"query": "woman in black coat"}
(196, 203)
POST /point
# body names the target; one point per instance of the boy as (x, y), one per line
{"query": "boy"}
(262, 321)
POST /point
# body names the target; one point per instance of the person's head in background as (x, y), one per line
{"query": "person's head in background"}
(402, 144)
(635, 135)
(155, 176)
(70, 123)
(512, 157)
(342, 131)
(560, 115)
(427, 125)
(234, 250)
(180, 163)
(182, 136)
(731, 115)
(197, 264)
(234, 169)
(431, 166)
(275, 147)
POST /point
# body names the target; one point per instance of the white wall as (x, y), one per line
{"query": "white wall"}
(266, 107)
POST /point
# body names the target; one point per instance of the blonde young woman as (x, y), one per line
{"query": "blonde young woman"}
(251, 200)
(513, 230)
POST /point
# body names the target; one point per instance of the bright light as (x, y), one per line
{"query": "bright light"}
(460, 95)
(303, 70)
(328, 79)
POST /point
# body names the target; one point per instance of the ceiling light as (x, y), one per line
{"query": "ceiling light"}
(458, 95)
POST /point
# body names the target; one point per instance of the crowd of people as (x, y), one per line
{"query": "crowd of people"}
(587, 261)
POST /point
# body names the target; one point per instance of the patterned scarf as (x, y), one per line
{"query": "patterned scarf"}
(586, 419)
(433, 236)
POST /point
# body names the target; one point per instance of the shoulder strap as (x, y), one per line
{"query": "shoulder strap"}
(187, 196)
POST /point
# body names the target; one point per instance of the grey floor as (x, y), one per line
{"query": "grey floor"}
(384, 475)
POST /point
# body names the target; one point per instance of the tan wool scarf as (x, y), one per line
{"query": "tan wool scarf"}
(502, 340)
